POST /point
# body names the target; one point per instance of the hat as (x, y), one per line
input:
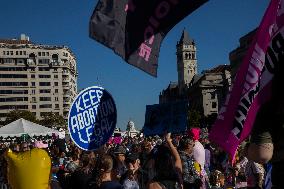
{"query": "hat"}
(131, 157)
(194, 133)
(119, 150)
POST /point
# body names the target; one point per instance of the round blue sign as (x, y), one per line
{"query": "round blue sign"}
(92, 118)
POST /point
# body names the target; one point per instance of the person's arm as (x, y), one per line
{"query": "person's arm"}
(174, 152)
(178, 163)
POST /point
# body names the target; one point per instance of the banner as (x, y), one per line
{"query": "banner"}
(168, 117)
(252, 86)
(92, 118)
(134, 29)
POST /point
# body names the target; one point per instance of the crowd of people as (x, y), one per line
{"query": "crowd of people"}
(160, 162)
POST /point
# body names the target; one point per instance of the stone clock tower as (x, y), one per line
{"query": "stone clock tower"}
(186, 60)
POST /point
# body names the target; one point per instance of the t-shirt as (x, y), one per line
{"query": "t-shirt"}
(199, 153)
(110, 185)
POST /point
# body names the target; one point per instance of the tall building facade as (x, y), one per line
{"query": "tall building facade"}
(35, 77)
(204, 92)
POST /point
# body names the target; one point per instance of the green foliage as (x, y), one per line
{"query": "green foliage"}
(17, 114)
(52, 119)
(194, 118)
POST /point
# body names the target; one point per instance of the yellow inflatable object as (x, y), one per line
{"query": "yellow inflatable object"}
(28, 170)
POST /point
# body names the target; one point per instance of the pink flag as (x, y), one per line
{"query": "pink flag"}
(252, 86)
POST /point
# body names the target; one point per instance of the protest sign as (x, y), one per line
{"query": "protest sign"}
(168, 117)
(92, 118)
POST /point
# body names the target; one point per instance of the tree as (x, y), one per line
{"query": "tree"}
(17, 114)
(51, 119)
(194, 118)
(210, 120)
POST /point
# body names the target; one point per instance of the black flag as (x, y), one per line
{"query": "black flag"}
(134, 29)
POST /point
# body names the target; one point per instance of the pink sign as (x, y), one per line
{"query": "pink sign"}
(252, 86)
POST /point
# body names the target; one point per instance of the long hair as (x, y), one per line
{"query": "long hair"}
(164, 163)
(86, 164)
(104, 164)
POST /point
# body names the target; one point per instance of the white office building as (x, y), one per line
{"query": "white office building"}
(35, 77)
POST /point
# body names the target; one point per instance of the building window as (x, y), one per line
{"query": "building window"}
(47, 53)
(11, 52)
(56, 83)
(32, 76)
(214, 104)
(39, 53)
(33, 99)
(56, 90)
(55, 76)
(14, 107)
(33, 84)
(43, 69)
(45, 106)
(65, 114)
(33, 91)
(21, 52)
(45, 98)
(33, 106)
(14, 99)
(43, 61)
(56, 105)
(213, 95)
(16, 52)
(13, 84)
(44, 91)
(56, 98)
(44, 83)
(44, 76)
(13, 76)
(8, 60)
(13, 91)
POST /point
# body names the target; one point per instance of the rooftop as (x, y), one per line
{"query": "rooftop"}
(220, 68)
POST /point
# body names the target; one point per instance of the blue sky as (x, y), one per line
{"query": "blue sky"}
(216, 28)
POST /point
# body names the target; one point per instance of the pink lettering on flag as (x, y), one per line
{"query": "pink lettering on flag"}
(253, 83)
(145, 51)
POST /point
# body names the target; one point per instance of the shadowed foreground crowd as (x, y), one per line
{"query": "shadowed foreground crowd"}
(168, 162)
